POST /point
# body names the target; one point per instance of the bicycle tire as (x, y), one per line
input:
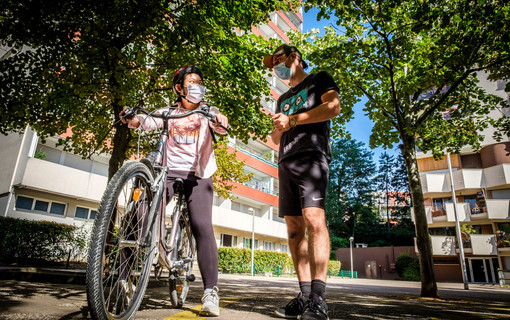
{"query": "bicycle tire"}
(179, 281)
(121, 255)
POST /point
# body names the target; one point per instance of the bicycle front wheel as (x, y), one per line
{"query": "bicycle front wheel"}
(122, 246)
(181, 276)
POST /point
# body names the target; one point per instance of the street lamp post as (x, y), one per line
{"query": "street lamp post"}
(250, 210)
(351, 239)
(457, 226)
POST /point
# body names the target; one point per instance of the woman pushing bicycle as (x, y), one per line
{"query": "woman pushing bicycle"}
(190, 157)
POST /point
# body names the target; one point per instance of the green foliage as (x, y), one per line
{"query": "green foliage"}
(40, 155)
(89, 59)
(405, 262)
(391, 53)
(25, 241)
(236, 260)
(350, 185)
(229, 170)
(334, 266)
(467, 229)
(412, 272)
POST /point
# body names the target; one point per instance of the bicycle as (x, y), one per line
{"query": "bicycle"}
(129, 235)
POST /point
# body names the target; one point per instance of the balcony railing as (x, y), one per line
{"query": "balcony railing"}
(443, 245)
(262, 157)
(484, 244)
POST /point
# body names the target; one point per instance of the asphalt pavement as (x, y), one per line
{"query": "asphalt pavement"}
(32, 296)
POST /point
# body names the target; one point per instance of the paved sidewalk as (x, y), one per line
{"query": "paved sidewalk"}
(256, 298)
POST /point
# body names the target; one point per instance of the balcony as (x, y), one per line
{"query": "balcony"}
(428, 215)
(498, 208)
(462, 212)
(503, 241)
(236, 220)
(443, 245)
(468, 179)
(434, 183)
(484, 244)
(497, 176)
(267, 157)
(446, 213)
(58, 179)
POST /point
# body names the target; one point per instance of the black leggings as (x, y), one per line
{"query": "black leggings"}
(199, 195)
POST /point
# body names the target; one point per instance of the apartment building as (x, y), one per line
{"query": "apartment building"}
(481, 181)
(39, 181)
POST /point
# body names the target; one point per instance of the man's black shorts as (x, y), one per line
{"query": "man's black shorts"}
(303, 179)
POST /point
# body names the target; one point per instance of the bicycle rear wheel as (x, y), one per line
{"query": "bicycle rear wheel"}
(122, 248)
(182, 276)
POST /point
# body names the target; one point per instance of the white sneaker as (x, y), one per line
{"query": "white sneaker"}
(211, 303)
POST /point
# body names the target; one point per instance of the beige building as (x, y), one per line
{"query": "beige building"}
(481, 181)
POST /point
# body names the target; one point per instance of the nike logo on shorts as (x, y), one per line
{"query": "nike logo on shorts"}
(316, 199)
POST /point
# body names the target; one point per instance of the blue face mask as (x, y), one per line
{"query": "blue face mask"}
(282, 71)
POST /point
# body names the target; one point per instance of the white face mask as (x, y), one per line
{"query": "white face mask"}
(196, 93)
(282, 71)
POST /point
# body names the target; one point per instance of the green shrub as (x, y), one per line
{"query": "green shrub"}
(403, 261)
(236, 260)
(334, 266)
(412, 272)
(27, 240)
(408, 267)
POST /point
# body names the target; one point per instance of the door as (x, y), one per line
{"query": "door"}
(478, 270)
(482, 270)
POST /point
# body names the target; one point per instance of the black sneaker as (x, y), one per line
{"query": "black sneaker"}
(315, 309)
(293, 309)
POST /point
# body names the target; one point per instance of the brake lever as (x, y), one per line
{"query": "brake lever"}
(212, 117)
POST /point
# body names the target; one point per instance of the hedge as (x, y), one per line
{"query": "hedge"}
(236, 260)
(25, 241)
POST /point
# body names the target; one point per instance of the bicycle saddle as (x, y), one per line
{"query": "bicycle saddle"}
(178, 185)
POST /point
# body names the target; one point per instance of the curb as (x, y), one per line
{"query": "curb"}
(67, 276)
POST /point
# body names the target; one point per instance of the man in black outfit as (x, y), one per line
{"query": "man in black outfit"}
(302, 128)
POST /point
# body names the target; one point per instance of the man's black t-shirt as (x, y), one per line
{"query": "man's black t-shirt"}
(303, 97)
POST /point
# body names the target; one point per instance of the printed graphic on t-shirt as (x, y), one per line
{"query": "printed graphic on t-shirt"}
(185, 130)
(293, 104)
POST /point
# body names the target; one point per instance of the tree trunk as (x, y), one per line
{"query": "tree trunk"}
(428, 278)
(120, 145)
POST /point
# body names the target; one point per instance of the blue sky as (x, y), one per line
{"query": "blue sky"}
(361, 126)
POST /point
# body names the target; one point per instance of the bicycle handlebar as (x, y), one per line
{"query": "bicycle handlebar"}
(129, 113)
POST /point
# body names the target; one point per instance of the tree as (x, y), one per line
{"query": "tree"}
(384, 179)
(414, 60)
(78, 63)
(350, 186)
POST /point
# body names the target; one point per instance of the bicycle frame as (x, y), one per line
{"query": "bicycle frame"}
(159, 165)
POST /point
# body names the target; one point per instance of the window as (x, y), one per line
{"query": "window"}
(269, 246)
(85, 213)
(247, 243)
(24, 203)
(284, 248)
(58, 208)
(40, 205)
(228, 240)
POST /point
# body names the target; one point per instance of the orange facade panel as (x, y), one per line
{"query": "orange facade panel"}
(255, 194)
(255, 163)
